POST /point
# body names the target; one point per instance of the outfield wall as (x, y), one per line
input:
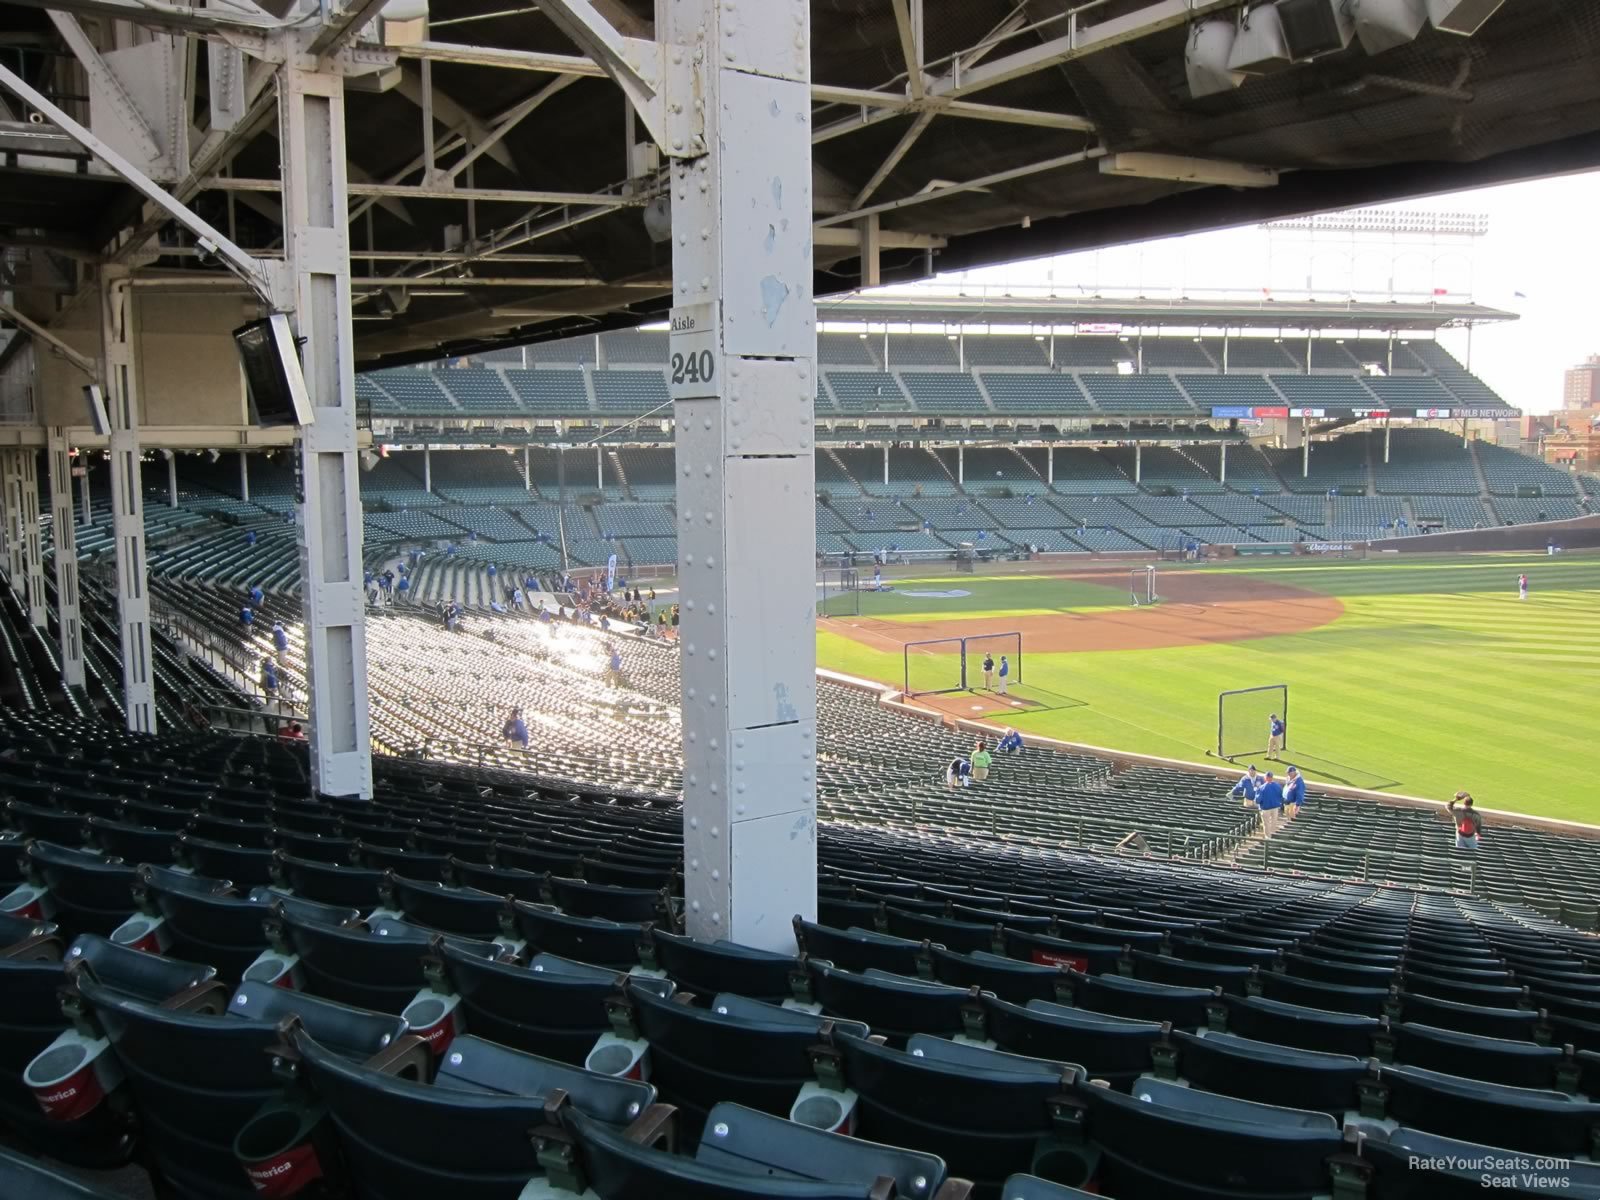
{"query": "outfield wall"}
(1580, 534)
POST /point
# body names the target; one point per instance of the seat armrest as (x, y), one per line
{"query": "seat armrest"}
(407, 1057)
(209, 997)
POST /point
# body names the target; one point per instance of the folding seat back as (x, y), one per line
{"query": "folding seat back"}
(858, 949)
(1413, 1165)
(1263, 1020)
(327, 883)
(1236, 1148)
(1047, 950)
(1115, 1049)
(467, 1135)
(1260, 1071)
(405, 862)
(987, 1113)
(1219, 951)
(501, 881)
(197, 1073)
(541, 860)
(1007, 978)
(1510, 1023)
(1333, 997)
(1181, 972)
(1104, 935)
(1031, 1187)
(81, 892)
(59, 826)
(551, 1007)
(245, 866)
(748, 1155)
(1488, 995)
(707, 968)
(132, 843)
(316, 847)
(31, 1179)
(1184, 1007)
(227, 931)
(1546, 1123)
(1328, 970)
(1492, 1060)
(582, 939)
(633, 872)
(960, 936)
(377, 967)
(741, 1050)
(892, 1005)
(256, 834)
(459, 910)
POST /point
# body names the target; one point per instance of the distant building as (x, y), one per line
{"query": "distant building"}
(1582, 389)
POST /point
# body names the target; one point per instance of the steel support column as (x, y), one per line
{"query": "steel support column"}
(1222, 465)
(1050, 465)
(83, 494)
(64, 531)
(961, 464)
(120, 370)
(744, 333)
(244, 476)
(172, 479)
(1138, 462)
(11, 508)
(427, 468)
(315, 284)
(32, 542)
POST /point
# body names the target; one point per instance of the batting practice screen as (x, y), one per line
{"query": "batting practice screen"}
(838, 592)
(1244, 719)
(956, 664)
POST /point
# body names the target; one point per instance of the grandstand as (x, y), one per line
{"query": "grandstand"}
(359, 841)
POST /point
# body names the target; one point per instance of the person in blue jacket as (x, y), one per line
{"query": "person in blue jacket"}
(1269, 799)
(1294, 793)
(1275, 732)
(1246, 787)
(1011, 743)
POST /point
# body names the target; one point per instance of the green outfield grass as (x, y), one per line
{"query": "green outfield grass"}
(1435, 678)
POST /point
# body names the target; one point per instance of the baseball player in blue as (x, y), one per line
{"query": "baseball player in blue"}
(1275, 732)
(1269, 799)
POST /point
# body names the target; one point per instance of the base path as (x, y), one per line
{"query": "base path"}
(1195, 610)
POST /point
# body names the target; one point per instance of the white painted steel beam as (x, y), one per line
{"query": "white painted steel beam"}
(247, 268)
(315, 283)
(742, 365)
(120, 369)
(64, 533)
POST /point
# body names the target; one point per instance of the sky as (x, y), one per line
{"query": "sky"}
(1543, 241)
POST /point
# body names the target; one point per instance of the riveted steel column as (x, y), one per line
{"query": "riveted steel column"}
(119, 337)
(316, 285)
(64, 532)
(742, 365)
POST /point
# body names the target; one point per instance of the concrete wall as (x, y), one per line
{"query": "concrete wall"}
(1581, 534)
(189, 371)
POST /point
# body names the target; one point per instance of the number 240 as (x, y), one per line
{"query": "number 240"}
(694, 368)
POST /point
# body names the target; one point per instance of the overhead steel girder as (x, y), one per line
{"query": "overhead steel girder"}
(22, 321)
(642, 70)
(250, 269)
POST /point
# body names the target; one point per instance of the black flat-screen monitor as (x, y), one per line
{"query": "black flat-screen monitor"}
(277, 386)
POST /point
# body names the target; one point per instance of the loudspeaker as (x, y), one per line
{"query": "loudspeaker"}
(271, 362)
(1260, 47)
(1384, 24)
(1465, 17)
(94, 403)
(1206, 59)
(1315, 27)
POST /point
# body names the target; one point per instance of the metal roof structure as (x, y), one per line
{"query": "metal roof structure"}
(503, 188)
(1266, 313)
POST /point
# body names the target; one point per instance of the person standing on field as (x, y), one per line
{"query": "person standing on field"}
(1522, 587)
(1005, 673)
(988, 672)
(1275, 732)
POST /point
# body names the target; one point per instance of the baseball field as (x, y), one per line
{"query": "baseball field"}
(1411, 676)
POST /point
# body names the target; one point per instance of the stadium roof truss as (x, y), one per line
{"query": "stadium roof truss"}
(507, 164)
